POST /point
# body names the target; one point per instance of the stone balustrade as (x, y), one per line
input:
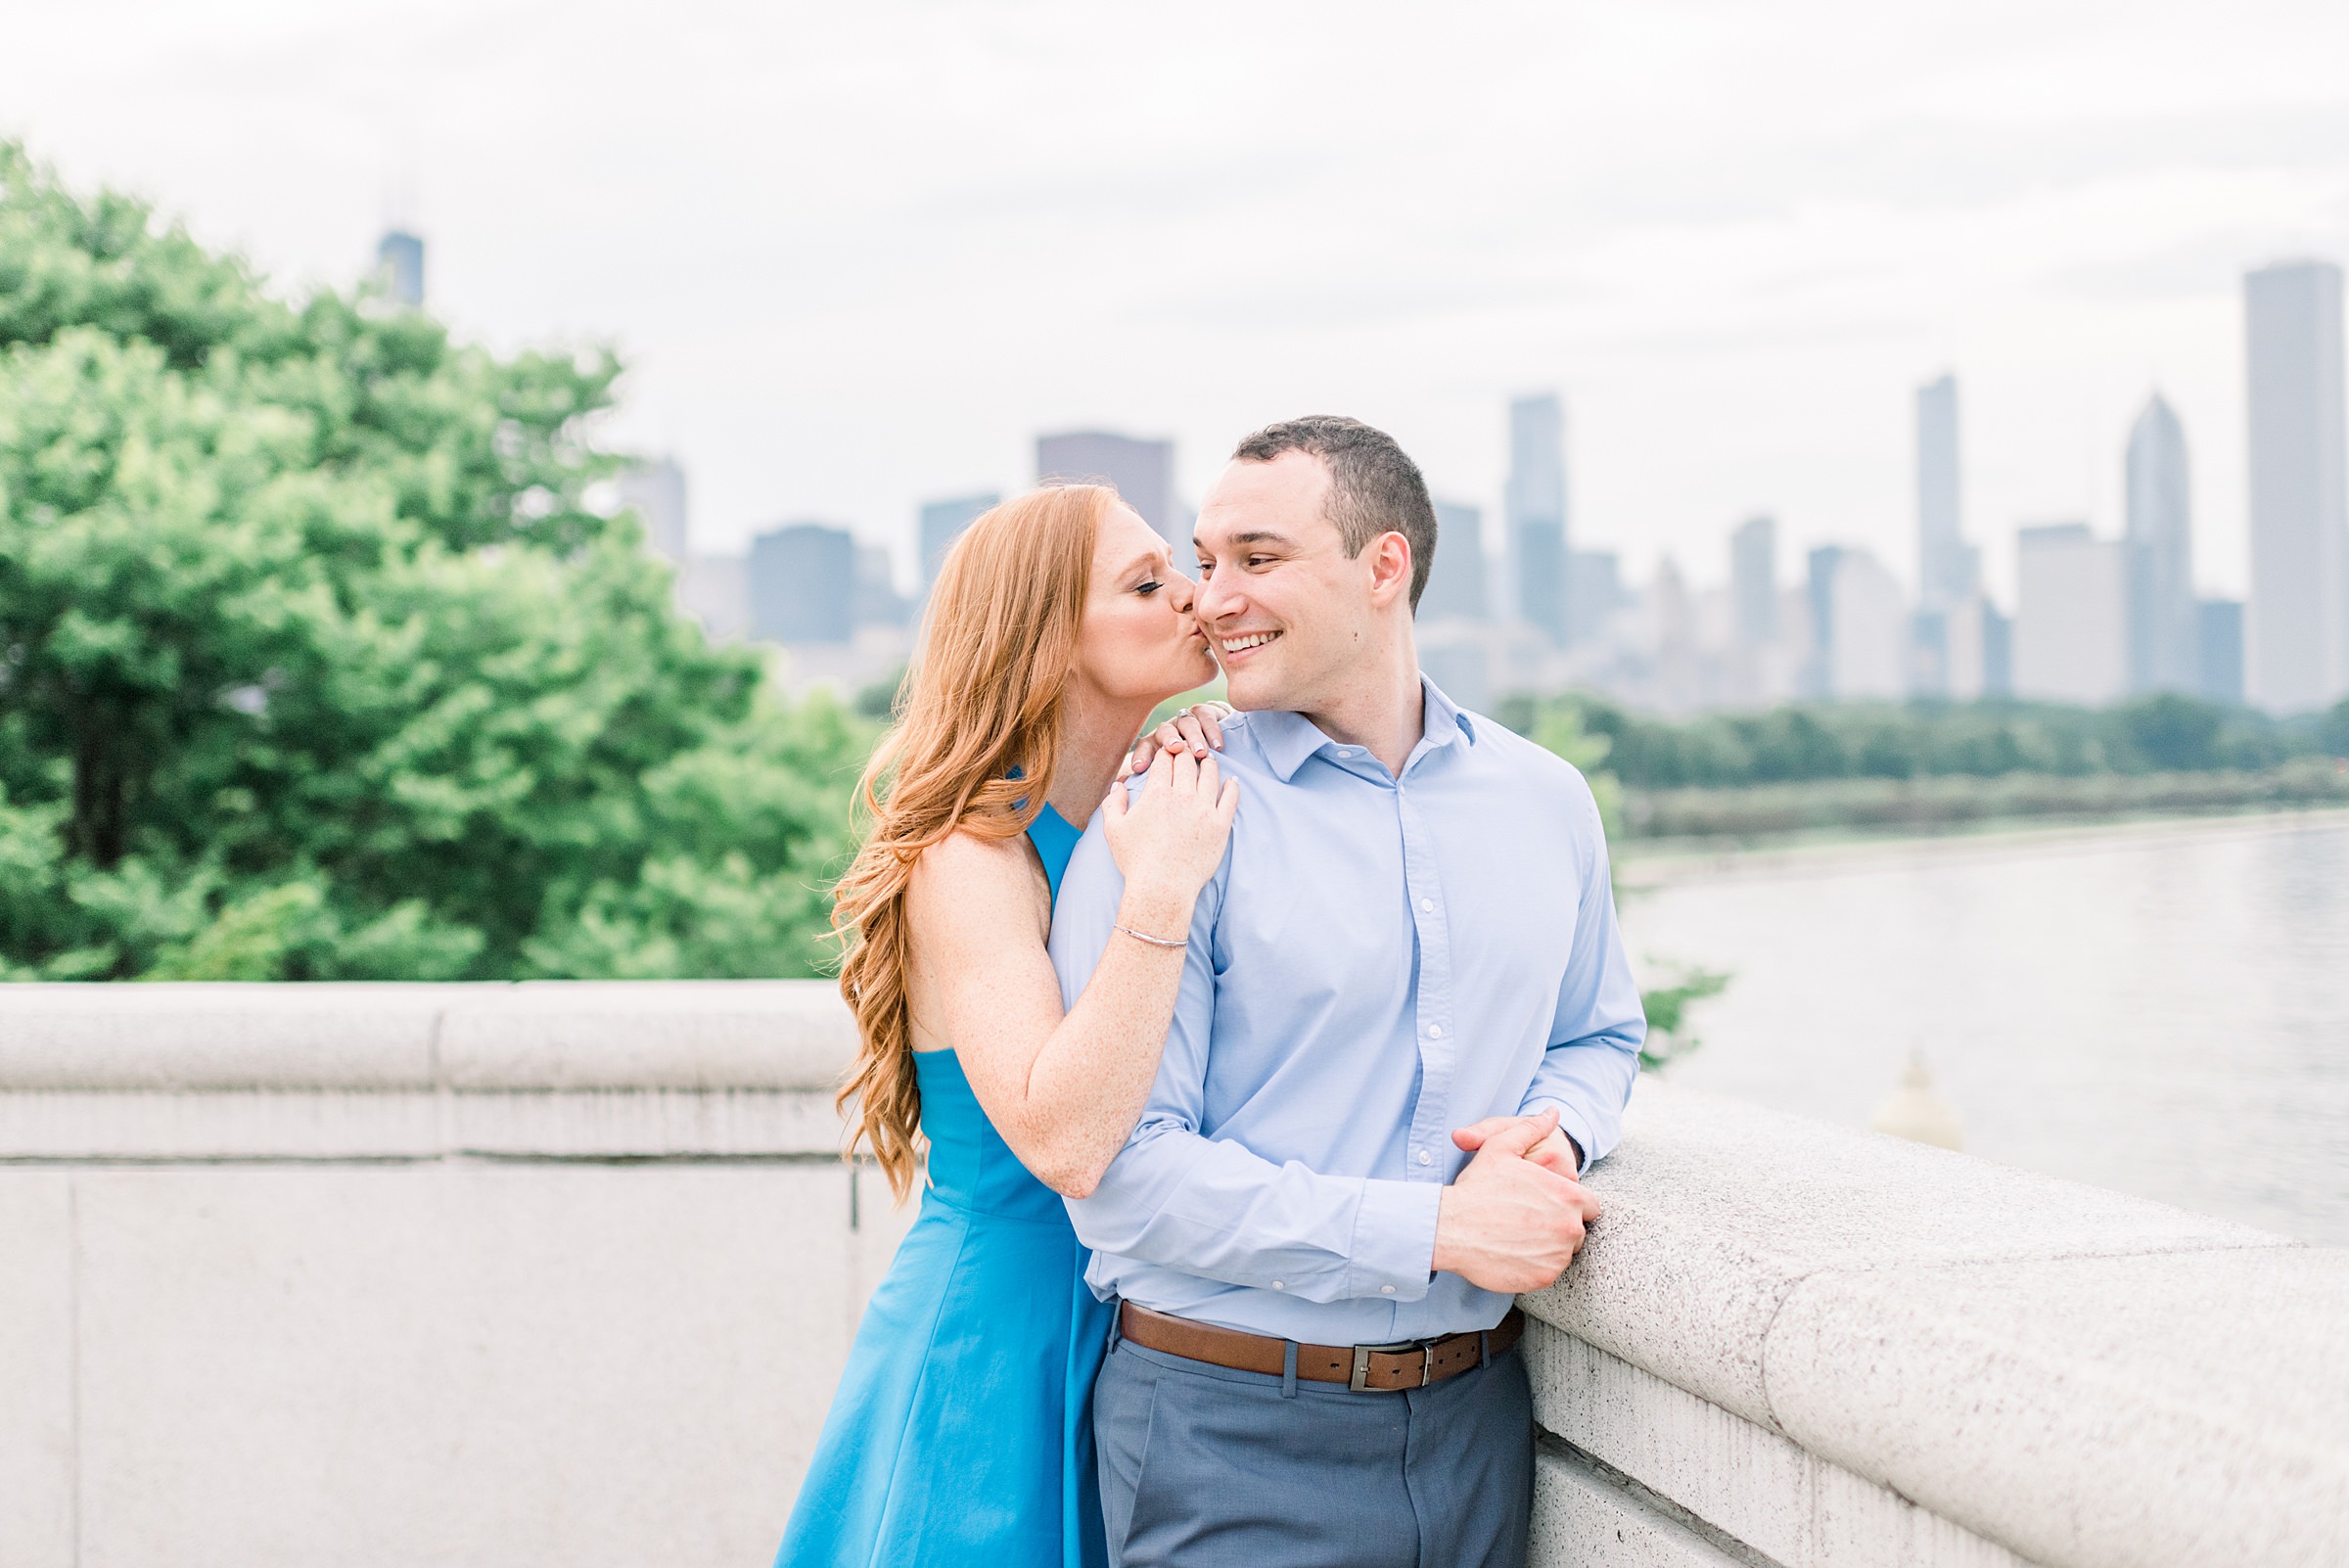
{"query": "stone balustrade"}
(563, 1274)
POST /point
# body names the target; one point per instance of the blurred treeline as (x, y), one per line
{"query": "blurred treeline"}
(2160, 734)
(316, 663)
(1928, 765)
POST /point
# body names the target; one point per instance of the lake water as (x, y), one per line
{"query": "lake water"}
(2163, 1009)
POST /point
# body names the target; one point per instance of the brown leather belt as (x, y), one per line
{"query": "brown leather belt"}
(1376, 1368)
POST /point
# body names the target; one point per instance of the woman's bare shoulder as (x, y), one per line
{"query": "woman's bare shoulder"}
(968, 872)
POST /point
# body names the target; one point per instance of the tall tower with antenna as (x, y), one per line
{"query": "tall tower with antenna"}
(399, 254)
(399, 260)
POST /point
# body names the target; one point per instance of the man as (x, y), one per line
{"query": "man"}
(1409, 956)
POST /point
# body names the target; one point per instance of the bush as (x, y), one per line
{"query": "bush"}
(1809, 743)
(315, 665)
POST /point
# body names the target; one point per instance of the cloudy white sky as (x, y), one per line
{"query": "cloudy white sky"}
(858, 255)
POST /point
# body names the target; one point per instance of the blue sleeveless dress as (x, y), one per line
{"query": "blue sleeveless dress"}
(962, 1431)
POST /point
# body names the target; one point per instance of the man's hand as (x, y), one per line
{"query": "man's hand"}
(1555, 1152)
(1507, 1223)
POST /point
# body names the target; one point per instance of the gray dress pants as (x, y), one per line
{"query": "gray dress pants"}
(1202, 1467)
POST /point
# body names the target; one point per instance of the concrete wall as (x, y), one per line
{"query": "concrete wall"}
(564, 1274)
(420, 1274)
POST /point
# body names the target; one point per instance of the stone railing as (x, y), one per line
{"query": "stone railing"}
(565, 1273)
(1793, 1345)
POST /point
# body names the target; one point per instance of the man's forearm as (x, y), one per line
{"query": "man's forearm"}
(1215, 1210)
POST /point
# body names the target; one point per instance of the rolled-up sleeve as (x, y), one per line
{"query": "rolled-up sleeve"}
(1594, 1057)
(1207, 1206)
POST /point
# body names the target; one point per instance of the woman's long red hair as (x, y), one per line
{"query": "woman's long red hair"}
(982, 700)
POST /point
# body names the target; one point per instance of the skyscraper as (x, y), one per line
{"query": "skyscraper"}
(2071, 620)
(1929, 639)
(1817, 678)
(1537, 512)
(802, 585)
(2162, 630)
(1946, 565)
(1868, 655)
(2299, 609)
(1754, 581)
(656, 491)
(1143, 470)
(2219, 636)
(399, 257)
(1456, 579)
(942, 523)
(1973, 651)
(1998, 652)
(1594, 591)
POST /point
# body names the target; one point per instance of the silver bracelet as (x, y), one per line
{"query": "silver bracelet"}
(1155, 941)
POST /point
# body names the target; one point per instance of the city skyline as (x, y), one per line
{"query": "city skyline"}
(859, 258)
(2095, 619)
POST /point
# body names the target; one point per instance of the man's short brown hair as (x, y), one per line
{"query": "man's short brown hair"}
(1374, 487)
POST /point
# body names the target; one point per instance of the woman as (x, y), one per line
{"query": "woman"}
(961, 1431)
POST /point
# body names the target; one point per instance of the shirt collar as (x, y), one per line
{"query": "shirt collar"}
(1288, 739)
(1442, 719)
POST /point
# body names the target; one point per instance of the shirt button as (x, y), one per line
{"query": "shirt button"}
(1426, 1158)
(1386, 1290)
(1435, 1031)
(1428, 904)
(1277, 1285)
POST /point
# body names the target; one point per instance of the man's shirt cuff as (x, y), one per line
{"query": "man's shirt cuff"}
(1571, 1122)
(1394, 1240)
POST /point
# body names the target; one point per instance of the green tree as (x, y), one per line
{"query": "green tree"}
(2333, 733)
(314, 662)
(2172, 732)
(1813, 743)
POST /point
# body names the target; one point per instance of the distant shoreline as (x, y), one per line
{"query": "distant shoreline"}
(1644, 864)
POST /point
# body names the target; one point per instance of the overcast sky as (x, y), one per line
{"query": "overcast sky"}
(859, 255)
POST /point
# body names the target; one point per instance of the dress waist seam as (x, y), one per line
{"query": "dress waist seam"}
(969, 1212)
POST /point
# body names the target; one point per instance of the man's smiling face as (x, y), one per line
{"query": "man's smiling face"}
(1286, 608)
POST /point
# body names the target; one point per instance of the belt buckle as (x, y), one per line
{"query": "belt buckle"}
(1359, 1381)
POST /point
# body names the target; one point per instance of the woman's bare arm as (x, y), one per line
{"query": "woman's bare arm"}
(1064, 1092)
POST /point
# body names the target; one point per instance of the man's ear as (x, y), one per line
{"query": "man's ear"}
(1390, 568)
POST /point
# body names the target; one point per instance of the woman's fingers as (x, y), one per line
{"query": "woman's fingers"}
(1227, 805)
(1177, 768)
(1186, 769)
(1196, 731)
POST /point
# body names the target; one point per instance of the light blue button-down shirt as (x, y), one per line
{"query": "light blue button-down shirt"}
(1376, 962)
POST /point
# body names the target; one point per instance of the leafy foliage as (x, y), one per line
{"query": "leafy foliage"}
(1669, 1037)
(316, 664)
(1800, 744)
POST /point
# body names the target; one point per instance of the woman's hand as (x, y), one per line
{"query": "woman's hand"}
(1198, 729)
(1168, 839)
